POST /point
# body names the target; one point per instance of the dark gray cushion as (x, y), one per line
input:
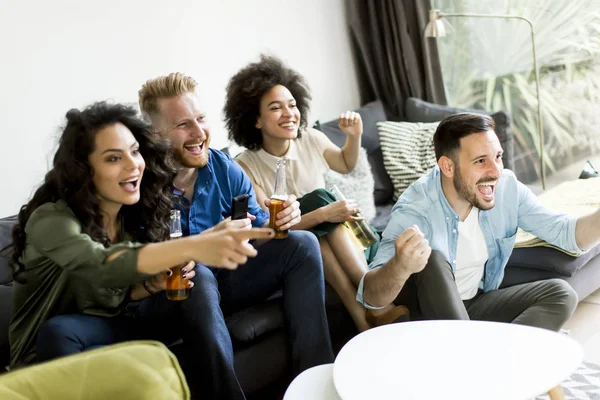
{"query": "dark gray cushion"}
(5, 310)
(548, 259)
(225, 150)
(370, 113)
(6, 226)
(247, 325)
(382, 216)
(417, 110)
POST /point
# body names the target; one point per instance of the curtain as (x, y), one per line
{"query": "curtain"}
(394, 60)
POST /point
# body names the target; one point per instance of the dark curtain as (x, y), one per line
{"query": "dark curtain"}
(395, 61)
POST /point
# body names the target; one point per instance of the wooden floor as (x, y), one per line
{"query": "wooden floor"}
(584, 327)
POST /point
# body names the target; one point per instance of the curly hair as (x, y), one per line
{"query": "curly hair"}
(70, 179)
(245, 90)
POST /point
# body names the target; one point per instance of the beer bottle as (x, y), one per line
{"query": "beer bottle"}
(278, 198)
(361, 229)
(177, 286)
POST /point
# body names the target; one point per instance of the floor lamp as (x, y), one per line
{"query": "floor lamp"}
(435, 28)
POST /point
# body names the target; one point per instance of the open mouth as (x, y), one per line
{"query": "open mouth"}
(487, 190)
(130, 185)
(195, 149)
(288, 125)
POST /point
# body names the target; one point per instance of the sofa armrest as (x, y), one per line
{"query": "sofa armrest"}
(6, 226)
(130, 370)
(552, 260)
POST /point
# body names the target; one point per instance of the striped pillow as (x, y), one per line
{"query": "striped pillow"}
(408, 152)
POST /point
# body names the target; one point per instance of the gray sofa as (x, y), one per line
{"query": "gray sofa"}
(261, 353)
(525, 265)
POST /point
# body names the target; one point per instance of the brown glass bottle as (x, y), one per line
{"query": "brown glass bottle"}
(277, 199)
(177, 286)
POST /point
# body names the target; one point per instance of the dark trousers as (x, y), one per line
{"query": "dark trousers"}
(433, 294)
(292, 264)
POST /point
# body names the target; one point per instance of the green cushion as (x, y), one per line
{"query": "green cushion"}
(130, 370)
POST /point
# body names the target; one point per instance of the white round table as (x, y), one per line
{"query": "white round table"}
(315, 383)
(454, 360)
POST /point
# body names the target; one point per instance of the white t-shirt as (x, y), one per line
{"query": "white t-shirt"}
(304, 169)
(471, 255)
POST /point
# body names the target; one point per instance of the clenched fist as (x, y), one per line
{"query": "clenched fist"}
(412, 250)
(350, 123)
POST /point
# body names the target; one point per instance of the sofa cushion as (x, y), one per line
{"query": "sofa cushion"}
(6, 226)
(5, 311)
(408, 151)
(382, 216)
(549, 259)
(417, 110)
(370, 114)
(247, 325)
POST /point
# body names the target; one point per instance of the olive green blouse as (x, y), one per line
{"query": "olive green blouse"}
(65, 272)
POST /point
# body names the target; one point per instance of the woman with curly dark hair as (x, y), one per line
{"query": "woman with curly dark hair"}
(265, 111)
(78, 249)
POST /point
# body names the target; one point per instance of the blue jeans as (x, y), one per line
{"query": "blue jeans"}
(292, 264)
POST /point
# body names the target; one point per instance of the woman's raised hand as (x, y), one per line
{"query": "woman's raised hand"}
(350, 123)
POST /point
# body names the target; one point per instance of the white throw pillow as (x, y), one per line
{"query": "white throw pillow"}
(357, 185)
(408, 151)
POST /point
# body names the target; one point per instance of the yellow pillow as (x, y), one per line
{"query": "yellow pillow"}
(130, 370)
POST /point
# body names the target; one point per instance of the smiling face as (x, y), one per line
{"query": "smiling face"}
(183, 121)
(118, 167)
(279, 118)
(478, 168)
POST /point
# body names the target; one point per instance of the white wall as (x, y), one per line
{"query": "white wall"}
(59, 54)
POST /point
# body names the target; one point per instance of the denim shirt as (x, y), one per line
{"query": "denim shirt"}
(218, 182)
(425, 205)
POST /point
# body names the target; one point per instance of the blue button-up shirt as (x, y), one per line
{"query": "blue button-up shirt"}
(218, 182)
(425, 205)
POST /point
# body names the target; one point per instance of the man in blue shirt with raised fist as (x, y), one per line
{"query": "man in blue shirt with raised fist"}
(467, 210)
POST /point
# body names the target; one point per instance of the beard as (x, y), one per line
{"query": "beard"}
(462, 188)
(187, 160)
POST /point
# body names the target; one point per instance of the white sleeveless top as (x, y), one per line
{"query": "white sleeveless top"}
(305, 167)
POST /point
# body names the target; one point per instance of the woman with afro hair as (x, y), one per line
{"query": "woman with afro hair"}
(265, 111)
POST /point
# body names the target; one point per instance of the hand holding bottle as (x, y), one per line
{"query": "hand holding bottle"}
(158, 282)
(342, 211)
(287, 214)
(284, 210)
(357, 224)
